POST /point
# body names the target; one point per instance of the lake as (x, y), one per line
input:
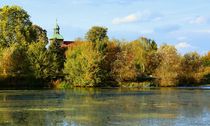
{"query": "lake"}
(106, 107)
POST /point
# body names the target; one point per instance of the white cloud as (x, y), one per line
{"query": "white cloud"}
(183, 45)
(139, 16)
(127, 19)
(199, 20)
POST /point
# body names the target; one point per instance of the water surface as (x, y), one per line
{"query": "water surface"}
(105, 107)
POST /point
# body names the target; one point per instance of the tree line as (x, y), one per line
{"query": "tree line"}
(94, 61)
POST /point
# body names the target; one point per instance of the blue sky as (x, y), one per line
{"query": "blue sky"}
(183, 23)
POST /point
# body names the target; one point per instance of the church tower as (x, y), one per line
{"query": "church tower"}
(57, 37)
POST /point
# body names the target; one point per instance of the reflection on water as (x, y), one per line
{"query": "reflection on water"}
(105, 107)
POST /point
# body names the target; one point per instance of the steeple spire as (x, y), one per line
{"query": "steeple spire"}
(56, 35)
(57, 28)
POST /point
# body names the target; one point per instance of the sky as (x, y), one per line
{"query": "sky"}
(182, 23)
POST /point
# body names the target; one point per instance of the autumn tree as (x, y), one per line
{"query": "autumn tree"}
(144, 56)
(124, 68)
(152, 62)
(206, 68)
(206, 59)
(169, 68)
(1, 58)
(131, 60)
(191, 65)
(14, 60)
(138, 52)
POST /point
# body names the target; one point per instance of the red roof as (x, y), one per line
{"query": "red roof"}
(67, 43)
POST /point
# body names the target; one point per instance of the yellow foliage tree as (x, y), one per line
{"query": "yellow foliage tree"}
(168, 70)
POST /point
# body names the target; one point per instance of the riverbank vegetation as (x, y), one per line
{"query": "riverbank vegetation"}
(94, 61)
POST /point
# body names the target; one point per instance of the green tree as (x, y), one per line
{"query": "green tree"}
(169, 69)
(100, 41)
(43, 64)
(148, 44)
(39, 34)
(59, 53)
(82, 65)
(15, 26)
(97, 34)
